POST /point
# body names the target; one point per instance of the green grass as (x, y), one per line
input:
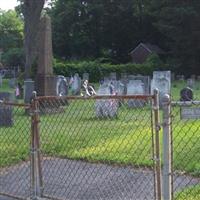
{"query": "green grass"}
(5, 86)
(191, 193)
(178, 85)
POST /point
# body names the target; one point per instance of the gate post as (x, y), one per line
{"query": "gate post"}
(167, 149)
(157, 145)
(36, 171)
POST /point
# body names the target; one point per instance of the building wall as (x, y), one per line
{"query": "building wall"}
(140, 55)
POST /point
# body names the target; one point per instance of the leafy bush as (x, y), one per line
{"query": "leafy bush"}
(98, 70)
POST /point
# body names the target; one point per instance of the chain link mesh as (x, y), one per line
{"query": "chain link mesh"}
(96, 148)
(186, 157)
(14, 150)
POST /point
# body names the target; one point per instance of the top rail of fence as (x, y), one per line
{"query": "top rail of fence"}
(96, 97)
(185, 103)
(7, 103)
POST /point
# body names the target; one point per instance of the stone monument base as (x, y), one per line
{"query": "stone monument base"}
(46, 85)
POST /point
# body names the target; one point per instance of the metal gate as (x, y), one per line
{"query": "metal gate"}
(102, 147)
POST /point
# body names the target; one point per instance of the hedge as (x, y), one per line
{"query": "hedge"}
(99, 70)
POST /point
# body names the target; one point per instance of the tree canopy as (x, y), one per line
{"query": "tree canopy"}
(11, 30)
(96, 28)
(85, 29)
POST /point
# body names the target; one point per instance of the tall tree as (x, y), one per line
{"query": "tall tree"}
(31, 10)
(179, 22)
(11, 30)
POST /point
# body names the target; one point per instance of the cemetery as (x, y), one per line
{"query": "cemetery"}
(78, 120)
(115, 121)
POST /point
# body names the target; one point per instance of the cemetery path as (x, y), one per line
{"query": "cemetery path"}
(80, 180)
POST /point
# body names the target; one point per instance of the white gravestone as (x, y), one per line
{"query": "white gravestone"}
(106, 107)
(76, 85)
(161, 81)
(61, 86)
(135, 87)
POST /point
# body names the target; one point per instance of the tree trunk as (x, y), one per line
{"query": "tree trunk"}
(31, 10)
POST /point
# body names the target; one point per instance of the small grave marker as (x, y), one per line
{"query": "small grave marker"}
(190, 113)
(186, 94)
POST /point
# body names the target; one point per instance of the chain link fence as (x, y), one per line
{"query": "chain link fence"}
(80, 148)
(186, 145)
(14, 150)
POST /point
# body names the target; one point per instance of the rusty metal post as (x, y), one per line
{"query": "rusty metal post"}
(167, 149)
(36, 171)
(157, 145)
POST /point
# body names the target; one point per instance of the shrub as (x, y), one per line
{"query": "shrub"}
(98, 70)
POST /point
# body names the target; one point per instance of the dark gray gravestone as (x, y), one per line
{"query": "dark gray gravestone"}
(7, 96)
(6, 116)
(186, 94)
(28, 90)
(1, 80)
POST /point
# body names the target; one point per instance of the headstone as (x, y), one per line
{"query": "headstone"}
(106, 107)
(124, 76)
(186, 94)
(190, 112)
(7, 96)
(76, 85)
(28, 90)
(6, 116)
(119, 88)
(193, 76)
(106, 80)
(135, 87)
(62, 86)
(131, 77)
(191, 83)
(113, 76)
(180, 77)
(162, 82)
(85, 77)
(173, 76)
(12, 82)
(1, 81)
(45, 80)
(144, 79)
(124, 80)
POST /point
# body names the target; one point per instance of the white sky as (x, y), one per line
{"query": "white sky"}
(8, 4)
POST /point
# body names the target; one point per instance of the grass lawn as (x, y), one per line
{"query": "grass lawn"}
(5, 86)
(191, 193)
